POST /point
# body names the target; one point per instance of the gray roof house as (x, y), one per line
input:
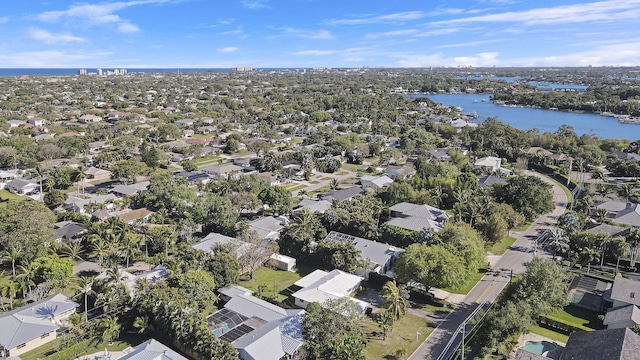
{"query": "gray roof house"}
(258, 329)
(375, 183)
(343, 194)
(629, 216)
(623, 292)
(268, 227)
(622, 317)
(380, 255)
(213, 239)
(69, 231)
(21, 186)
(416, 217)
(314, 206)
(610, 344)
(33, 325)
(131, 189)
(152, 349)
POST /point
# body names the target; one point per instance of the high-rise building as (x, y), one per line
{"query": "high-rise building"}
(99, 71)
(82, 72)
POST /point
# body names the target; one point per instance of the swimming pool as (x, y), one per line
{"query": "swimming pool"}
(539, 347)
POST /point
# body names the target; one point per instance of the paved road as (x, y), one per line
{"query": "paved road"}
(490, 286)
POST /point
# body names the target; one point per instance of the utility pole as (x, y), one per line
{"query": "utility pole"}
(464, 326)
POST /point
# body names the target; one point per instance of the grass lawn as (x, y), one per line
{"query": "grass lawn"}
(522, 227)
(549, 334)
(271, 278)
(321, 190)
(342, 173)
(501, 246)
(579, 317)
(354, 167)
(469, 284)
(93, 347)
(5, 195)
(403, 336)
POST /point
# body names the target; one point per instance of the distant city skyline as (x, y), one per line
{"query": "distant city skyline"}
(318, 33)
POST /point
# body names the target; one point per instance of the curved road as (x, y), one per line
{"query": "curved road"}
(490, 286)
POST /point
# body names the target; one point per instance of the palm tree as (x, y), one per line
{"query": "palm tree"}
(625, 190)
(39, 172)
(588, 256)
(393, 300)
(28, 271)
(100, 247)
(600, 215)
(12, 255)
(334, 184)
(557, 240)
(130, 246)
(110, 328)
(85, 284)
(619, 247)
(143, 324)
(385, 320)
(8, 287)
(73, 249)
(145, 231)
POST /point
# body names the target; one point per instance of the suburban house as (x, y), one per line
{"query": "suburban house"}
(379, 255)
(314, 206)
(97, 146)
(93, 173)
(36, 122)
(269, 227)
(258, 329)
(629, 216)
(375, 183)
(194, 177)
(130, 281)
(152, 350)
(222, 170)
(489, 164)
(619, 344)
(33, 325)
(130, 190)
(87, 118)
(441, 154)
(320, 286)
(68, 230)
(485, 181)
(214, 239)
(15, 123)
(21, 186)
(229, 291)
(81, 204)
(416, 217)
(624, 294)
(270, 178)
(405, 171)
(343, 194)
(132, 217)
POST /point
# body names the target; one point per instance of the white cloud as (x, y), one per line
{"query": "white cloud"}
(396, 17)
(469, 43)
(97, 14)
(309, 34)
(227, 50)
(612, 10)
(315, 52)
(392, 33)
(52, 59)
(127, 28)
(50, 38)
(4, 19)
(479, 59)
(257, 4)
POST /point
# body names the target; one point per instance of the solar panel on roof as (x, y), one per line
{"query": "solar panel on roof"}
(236, 333)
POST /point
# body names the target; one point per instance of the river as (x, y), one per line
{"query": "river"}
(525, 118)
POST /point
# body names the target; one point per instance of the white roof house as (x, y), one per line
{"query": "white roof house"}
(33, 325)
(372, 182)
(152, 350)
(320, 286)
(258, 329)
(267, 227)
(416, 217)
(490, 163)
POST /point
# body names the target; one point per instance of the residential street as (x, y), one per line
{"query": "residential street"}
(490, 286)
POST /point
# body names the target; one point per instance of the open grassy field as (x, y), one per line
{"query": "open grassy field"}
(276, 282)
(403, 336)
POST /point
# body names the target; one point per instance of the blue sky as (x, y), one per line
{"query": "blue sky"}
(318, 33)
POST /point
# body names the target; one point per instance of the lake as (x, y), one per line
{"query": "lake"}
(525, 118)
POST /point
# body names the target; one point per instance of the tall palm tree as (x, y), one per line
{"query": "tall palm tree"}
(588, 256)
(72, 249)
(99, 248)
(8, 287)
(394, 301)
(557, 240)
(130, 245)
(28, 272)
(12, 255)
(85, 284)
(619, 247)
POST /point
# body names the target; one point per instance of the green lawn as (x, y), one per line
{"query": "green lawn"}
(277, 280)
(579, 317)
(522, 227)
(549, 334)
(90, 347)
(5, 195)
(502, 246)
(469, 284)
(403, 335)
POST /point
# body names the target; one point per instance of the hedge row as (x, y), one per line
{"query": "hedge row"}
(561, 326)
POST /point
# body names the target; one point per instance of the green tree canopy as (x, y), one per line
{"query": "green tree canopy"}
(528, 195)
(432, 266)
